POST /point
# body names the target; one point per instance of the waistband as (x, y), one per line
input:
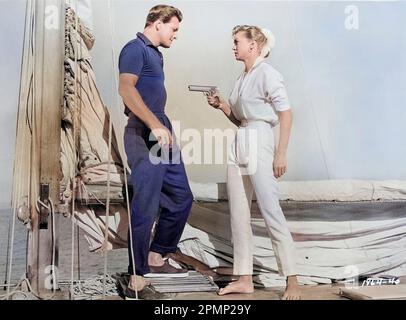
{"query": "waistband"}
(246, 122)
(158, 114)
(135, 122)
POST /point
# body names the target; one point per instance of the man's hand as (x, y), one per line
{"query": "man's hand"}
(162, 134)
(279, 165)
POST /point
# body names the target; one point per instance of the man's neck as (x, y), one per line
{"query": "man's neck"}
(152, 36)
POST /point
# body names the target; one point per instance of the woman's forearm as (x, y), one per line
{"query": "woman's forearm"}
(229, 113)
(285, 120)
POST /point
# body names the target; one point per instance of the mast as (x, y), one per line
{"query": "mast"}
(49, 103)
(47, 97)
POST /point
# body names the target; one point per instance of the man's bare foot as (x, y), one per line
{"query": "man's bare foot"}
(292, 291)
(137, 283)
(242, 285)
(155, 259)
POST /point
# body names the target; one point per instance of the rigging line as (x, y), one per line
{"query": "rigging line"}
(25, 49)
(307, 96)
(78, 250)
(74, 124)
(10, 250)
(107, 209)
(10, 236)
(33, 98)
(31, 87)
(33, 175)
(8, 247)
(54, 284)
(23, 292)
(51, 208)
(30, 119)
(33, 4)
(113, 55)
(108, 185)
(79, 93)
(28, 99)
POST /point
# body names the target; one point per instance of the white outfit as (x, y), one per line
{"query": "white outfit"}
(255, 100)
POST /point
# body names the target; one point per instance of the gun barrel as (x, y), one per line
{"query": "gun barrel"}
(202, 88)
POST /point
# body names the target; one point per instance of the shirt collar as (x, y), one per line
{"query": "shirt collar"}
(145, 39)
(256, 63)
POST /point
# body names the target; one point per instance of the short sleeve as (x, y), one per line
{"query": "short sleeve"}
(275, 91)
(131, 59)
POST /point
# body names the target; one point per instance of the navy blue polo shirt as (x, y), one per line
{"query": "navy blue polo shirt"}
(142, 58)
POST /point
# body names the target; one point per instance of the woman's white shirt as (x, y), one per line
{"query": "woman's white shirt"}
(259, 93)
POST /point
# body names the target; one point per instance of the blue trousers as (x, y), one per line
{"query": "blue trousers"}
(160, 191)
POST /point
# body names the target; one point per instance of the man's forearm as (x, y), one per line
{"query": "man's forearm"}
(285, 120)
(134, 102)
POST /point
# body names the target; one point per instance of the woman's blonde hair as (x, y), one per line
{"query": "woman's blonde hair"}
(263, 37)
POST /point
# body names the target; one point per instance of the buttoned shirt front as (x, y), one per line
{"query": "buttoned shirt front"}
(259, 94)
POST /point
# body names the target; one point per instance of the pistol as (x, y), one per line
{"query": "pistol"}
(205, 89)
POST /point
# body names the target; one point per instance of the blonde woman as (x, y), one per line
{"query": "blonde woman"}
(257, 103)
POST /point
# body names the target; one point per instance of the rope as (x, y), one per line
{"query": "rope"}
(106, 232)
(9, 295)
(94, 288)
(308, 98)
(89, 289)
(11, 250)
(108, 176)
(78, 250)
(16, 290)
(33, 99)
(108, 181)
(51, 208)
(54, 282)
(75, 161)
(8, 248)
(116, 76)
(89, 194)
(16, 196)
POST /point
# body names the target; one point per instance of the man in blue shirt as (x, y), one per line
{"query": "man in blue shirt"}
(160, 187)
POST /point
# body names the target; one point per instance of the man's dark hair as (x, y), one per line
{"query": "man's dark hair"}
(164, 13)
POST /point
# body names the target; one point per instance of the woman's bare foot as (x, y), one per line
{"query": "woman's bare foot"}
(242, 285)
(292, 291)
